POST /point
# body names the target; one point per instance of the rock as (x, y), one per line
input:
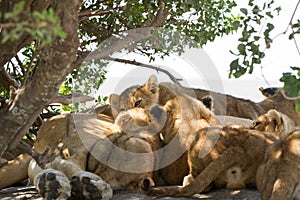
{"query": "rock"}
(29, 192)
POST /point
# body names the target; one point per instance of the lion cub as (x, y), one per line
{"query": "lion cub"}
(274, 122)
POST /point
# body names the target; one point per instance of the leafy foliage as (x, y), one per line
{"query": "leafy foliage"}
(250, 50)
(292, 84)
(190, 18)
(42, 26)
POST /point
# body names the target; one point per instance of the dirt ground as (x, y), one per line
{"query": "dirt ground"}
(29, 192)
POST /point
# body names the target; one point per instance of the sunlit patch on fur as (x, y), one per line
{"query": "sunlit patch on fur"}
(235, 126)
(277, 154)
(277, 185)
(295, 147)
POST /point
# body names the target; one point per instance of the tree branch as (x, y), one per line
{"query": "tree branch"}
(118, 43)
(71, 98)
(89, 13)
(115, 44)
(160, 17)
(6, 80)
(133, 62)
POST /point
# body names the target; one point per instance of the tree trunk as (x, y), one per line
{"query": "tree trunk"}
(27, 102)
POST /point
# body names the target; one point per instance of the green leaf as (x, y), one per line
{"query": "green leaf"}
(245, 36)
(130, 18)
(255, 10)
(234, 65)
(269, 14)
(278, 9)
(235, 25)
(255, 49)
(242, 49)
(256, 60)
(244, 11)
(270, 26)
(256, 38)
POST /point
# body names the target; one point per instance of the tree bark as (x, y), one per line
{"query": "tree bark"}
(27, 102)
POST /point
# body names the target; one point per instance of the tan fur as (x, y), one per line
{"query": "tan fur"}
(185, 115)
(83, 137)
(14, 170)
(274, 122)
(223, 104)
(279, 174)
(220, 157)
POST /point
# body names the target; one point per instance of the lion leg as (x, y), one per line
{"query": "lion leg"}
(50, 183)
(85, 185)
(14, 171)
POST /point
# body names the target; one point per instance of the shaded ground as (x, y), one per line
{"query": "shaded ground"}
(224, 194)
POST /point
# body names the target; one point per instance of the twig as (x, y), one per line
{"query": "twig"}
(294, 39)
(291, 20)
(289, 24)
(262, 74)
(90, 13)
(20, 64)
(133, 62)
(31, 61)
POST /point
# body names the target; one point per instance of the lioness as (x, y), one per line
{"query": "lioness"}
(223, 104)
(97, 156)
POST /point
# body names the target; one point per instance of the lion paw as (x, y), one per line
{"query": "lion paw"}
(53, 184)
(86, 185)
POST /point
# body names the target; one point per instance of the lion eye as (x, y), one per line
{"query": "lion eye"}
(137, 103)
(254, 124)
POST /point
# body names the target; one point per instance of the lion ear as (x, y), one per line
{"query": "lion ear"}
(152, 84)
(275, 115)
(208, 101)
(114, 99)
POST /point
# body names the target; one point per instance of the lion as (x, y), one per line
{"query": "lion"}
(220, 157)
(96, 156)
(223, 104)
(278, 175)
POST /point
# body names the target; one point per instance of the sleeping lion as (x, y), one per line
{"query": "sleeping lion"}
(96, 156)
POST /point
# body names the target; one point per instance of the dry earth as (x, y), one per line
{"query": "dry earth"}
(29, 192)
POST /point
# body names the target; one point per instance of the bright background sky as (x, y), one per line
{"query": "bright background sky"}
(216, 56)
